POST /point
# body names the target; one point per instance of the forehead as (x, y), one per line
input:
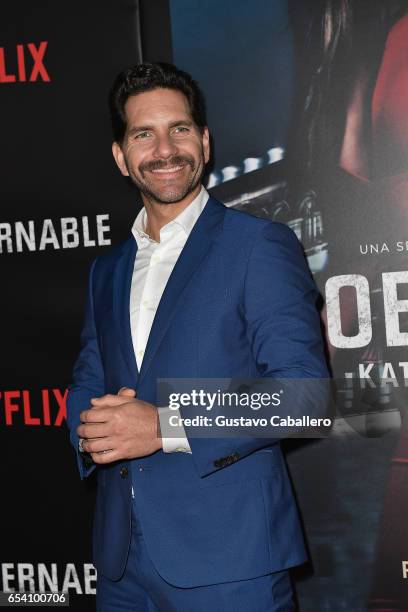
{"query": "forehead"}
(156, 106)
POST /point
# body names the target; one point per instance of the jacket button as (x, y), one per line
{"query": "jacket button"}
(123, 471)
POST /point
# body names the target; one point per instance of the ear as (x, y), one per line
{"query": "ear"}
(119, 158)
(206, 144)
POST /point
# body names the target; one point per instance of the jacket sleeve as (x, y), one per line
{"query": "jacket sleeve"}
(88, 379)
(284, 334)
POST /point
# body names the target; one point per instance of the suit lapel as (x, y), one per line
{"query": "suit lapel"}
(205, 230)
(122, 281)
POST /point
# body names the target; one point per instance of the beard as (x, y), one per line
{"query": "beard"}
(174, 191)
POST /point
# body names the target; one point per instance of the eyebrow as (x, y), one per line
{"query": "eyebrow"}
(144, 128)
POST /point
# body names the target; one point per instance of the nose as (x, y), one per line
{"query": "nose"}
(165, 146)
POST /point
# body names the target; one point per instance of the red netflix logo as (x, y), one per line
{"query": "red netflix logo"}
(45, 407)
(29, 62)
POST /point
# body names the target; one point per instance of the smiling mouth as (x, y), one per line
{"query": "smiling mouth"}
(169, 170)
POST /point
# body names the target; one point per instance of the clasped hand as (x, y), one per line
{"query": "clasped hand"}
(119, 427)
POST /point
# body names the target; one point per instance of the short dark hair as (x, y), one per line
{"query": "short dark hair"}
(147, 77)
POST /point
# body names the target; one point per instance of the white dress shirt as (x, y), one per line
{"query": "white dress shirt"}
(153, 265)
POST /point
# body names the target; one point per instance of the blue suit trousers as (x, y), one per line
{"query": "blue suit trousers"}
(142, 589)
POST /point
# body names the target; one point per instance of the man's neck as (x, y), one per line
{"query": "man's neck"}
(158, 215)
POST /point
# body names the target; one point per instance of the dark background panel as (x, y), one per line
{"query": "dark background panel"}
(56, 163)
(59, 164)
(155, 31)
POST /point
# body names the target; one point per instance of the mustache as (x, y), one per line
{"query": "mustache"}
(160, 164)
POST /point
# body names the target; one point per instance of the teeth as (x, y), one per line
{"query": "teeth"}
(172, 169)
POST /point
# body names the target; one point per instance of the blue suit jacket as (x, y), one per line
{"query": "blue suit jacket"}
(240, 303)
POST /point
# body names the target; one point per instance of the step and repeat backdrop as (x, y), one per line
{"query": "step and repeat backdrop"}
(62, 203)
(307, 106)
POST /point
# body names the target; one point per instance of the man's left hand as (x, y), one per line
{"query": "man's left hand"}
(119, 427)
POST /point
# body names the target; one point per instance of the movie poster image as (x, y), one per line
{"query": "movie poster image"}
(307, 105)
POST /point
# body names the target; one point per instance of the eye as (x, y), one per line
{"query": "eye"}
(142, 135)
(180, 129)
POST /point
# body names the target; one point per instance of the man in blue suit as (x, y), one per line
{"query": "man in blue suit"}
(197, 291)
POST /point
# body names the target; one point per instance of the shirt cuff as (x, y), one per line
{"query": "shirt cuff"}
(177, 443)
